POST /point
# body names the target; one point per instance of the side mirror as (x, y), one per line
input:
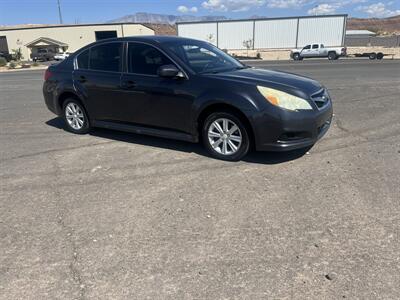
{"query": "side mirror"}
(169, 71)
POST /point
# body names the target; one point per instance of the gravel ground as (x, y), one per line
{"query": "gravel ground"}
(120, 216)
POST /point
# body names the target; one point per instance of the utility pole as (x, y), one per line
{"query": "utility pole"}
(59, 11)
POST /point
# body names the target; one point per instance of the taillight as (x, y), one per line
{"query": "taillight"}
(47, 75)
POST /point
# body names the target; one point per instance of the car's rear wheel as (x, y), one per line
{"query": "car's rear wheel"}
(75, 116)
(225, 136)
(332, 56)
(372, 56)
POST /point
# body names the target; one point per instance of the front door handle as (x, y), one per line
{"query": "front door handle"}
(129, 84)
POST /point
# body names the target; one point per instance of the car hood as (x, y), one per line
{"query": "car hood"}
(287, 82)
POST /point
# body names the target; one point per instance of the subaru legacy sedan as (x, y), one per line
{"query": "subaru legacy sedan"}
(189, 90)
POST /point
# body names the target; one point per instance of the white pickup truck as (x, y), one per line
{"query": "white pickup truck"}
(317, 50)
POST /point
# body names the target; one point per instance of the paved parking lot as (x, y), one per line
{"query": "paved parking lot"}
(120, 216)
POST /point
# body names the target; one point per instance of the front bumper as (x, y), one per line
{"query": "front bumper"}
(291, 130)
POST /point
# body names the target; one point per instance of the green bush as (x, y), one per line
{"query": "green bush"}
(3, 62)
(12, 65)
(35, 64)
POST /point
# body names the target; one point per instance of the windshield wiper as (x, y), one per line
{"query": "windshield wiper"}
(242, 67)
(225, 70)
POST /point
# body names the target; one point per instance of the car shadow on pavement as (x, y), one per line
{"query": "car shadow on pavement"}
(253, 157)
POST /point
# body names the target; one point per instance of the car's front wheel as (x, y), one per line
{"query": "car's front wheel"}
(225, 136)
(296, 56)
(75, 116)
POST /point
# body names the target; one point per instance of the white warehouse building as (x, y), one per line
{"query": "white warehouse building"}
(270, 33)
(61, 38)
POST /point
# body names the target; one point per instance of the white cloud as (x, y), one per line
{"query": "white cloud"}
(232, 5)
(322, 9)
(378, 10)
(184, 9)
(286, 3)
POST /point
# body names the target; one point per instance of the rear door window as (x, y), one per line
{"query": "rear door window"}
(315, 46)
(106, 57)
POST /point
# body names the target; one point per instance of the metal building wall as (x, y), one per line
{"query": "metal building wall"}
(328, 31)
(205, 31)
(271, 34)
(275, 33)
(232, 35)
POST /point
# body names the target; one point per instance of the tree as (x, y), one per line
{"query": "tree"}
(17, 54)
(210, 38)
(248, 44)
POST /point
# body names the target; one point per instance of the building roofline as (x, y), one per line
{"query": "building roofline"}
(262, 19)
(73, 25)
(53, 41)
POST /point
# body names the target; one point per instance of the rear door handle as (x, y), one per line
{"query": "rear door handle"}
(129, 84)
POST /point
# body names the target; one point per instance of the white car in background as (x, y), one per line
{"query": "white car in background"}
(61, 56)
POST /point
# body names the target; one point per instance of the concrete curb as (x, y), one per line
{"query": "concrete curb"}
(23, 69)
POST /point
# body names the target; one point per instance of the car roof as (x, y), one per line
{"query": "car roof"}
(150, 38)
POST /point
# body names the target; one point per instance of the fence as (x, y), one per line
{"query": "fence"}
(384, 41)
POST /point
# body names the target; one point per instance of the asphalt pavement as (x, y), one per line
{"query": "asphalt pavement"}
(113, 215)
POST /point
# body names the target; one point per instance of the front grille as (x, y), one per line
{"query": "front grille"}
(321, 98)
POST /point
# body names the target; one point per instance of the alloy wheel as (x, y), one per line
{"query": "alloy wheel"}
(74, 116)
(224, 136)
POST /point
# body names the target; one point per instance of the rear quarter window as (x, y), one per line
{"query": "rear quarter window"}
(83, 60)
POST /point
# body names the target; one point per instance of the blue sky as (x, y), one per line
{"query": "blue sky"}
(86, 11)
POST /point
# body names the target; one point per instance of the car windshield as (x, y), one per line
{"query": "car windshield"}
(203, 57)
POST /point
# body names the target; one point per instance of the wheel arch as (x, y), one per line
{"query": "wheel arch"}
(64, 96)
(224, 107)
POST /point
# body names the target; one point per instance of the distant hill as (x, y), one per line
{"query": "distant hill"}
(142, 17)
(381, 26)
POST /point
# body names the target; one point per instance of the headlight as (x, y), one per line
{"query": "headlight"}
(283, 99)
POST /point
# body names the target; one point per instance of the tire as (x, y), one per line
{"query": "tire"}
(225, 141)
(332, 55)
(296, 56)
(75, 116)
(372, 56)
(379, 55)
